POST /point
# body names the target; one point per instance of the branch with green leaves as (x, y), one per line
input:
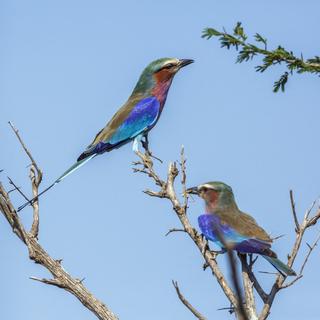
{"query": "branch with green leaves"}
(247, 51)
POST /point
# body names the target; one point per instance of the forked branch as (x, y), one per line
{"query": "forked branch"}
(249, 280)
(61, 278)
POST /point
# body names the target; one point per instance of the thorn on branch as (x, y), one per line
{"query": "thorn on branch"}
(80, 280)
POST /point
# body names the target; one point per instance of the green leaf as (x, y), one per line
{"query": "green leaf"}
(281, 83)
(238, 31)
(210, 32)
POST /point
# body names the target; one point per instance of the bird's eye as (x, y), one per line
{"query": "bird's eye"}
(168, 66)
(204, 189)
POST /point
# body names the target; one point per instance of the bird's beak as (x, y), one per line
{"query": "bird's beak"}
(193, 190)
(184, 62)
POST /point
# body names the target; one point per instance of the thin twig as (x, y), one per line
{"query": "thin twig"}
(300, 275)
(17, 188)
(167, 191)
(279, 282)
(195, 312)
(16, 131)
(61, 278)
(174, 230)
(294, 213)
(36, 178)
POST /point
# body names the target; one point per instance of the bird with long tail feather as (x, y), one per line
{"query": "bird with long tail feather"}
(135, 118)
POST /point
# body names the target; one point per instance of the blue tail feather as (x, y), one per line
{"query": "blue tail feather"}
(73, 168)
(280, 266)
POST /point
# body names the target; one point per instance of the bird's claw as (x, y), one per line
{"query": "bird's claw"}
(148, 153)
(216, 252)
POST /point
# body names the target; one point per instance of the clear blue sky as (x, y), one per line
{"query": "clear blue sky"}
(67, 66)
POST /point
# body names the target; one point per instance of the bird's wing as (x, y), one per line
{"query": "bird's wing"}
(118, 118)
(141, 118)
(245, 225)
(135, 117)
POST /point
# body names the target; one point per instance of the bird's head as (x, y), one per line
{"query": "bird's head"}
(217, 195)
(159, 74)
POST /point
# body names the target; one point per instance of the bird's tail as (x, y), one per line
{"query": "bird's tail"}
(280, 266)
(73, 168)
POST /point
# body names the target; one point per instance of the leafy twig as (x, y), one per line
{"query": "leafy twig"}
(247, 51)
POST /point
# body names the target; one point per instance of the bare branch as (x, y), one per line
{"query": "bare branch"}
(35, 184)
(17, 188)
(36, 178)
(61, 278)
(293, 207)
(167, 191)
(300, 275)
(16, 131)
(195, 312)
(40, 256)
(250, 303)
(279, 282)
(248, 269)
(241, 311)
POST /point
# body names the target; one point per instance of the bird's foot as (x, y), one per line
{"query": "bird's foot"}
(216, 252)
(205, 266)
(145, 145)
(146, 160)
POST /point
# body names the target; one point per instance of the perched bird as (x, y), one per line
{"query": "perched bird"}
(224, 224)
(135, 118)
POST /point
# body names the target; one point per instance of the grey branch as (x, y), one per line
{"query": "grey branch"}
(195, 312)
(36, 178)
(61, 278)
(300, 230)
(167, 191)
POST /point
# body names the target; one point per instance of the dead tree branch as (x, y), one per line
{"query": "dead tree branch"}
(250, 282)
(167, 191)
(61, 278)
(195, 312)
(300, 229)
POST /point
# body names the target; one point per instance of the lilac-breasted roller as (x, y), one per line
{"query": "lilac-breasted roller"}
(136, 117)
(224, 224)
